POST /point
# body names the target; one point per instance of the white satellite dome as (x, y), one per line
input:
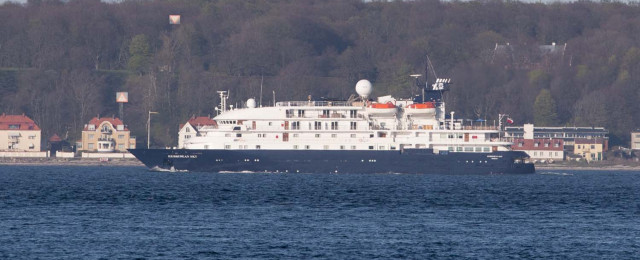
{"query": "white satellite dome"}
(364, 88)
(251, 103)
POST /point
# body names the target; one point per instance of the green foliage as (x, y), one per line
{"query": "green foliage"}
(545, 109)
(140, 54)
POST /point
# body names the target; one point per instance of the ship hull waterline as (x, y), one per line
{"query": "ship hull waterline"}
(410, 161)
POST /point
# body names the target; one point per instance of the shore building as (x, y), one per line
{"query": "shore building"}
(192, 127)
(106, 134)
(19, 133)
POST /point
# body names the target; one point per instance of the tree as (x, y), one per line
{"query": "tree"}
(545, 109)
(140, 54)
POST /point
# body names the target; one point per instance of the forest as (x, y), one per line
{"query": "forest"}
(558, 64)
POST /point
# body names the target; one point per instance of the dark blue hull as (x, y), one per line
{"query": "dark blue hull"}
(416, 161)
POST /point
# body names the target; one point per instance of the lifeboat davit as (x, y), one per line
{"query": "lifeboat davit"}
(420, 109)
(382, 109)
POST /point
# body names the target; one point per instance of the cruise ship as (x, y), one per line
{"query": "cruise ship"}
(358, 135)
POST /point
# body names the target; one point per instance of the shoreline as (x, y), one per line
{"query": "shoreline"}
(69, 162)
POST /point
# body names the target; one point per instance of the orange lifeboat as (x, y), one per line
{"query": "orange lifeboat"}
(420, 109)
(382, 109)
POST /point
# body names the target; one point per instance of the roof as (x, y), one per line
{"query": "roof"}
(55, 138)
(18, 122)
(529, 144)
(98, 121)
(202, 121)
(589, 141)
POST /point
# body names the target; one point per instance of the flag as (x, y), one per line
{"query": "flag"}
(509, 120)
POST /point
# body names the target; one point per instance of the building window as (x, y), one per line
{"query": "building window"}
(120, 136)
(32, 137)
(188, 130)
(519, 144)
(120, 146)
(593, 146)
(90, 136)
(90, 145)
(535, 144)
(546, 144)
(535, 153)
(187, 136)
(556, 145)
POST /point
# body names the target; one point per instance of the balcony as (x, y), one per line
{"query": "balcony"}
(106, 145)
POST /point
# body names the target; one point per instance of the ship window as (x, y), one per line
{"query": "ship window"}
(450, 148)
(227, 135)
(468, 149)
(393, 147)
(317, 135)
(371, 147)
(371, 136)
(295, 147)
(325, 113)
(342, 147)
(295, 125)
(300, 113)
(486, 149)
(295, 135)
(334, 135)
(307, 147)
(326, 147)
(238, 135)
(354, 125)
(257, 147)
(334, 125)
(450, 136)
(318, 125)
(458, 149)
(353, 135)
(381, 147)
(478, 149)
(225, 147)
(236, 128)
(270, 123)
(352, 113)
(353, 147)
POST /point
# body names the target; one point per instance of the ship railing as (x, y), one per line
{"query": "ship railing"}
(312, 103)
(479, 127)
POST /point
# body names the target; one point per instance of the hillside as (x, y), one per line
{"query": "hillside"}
(557, 64)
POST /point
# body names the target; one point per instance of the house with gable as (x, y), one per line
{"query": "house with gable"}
(192, 127)
(106, 134)
(19, 133)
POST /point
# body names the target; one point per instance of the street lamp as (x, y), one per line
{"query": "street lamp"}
(149, 127)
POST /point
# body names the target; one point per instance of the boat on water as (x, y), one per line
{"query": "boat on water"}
(359, 135)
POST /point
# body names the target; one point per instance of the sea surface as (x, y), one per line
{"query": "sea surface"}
(129, 212)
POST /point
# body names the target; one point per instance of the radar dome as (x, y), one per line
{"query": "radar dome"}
(251, 103)
(364, 88)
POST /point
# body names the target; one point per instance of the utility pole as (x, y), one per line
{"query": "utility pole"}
(149, 127)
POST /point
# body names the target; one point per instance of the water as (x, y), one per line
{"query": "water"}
(129, 212)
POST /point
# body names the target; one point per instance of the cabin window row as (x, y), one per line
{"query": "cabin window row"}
(468, 149)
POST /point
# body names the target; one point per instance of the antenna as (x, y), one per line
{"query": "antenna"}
(261, 81)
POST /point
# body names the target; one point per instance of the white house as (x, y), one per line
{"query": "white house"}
(191, 128)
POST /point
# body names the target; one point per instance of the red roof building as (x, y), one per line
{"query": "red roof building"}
(540, 149)
(192, 127)
(19, 133)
